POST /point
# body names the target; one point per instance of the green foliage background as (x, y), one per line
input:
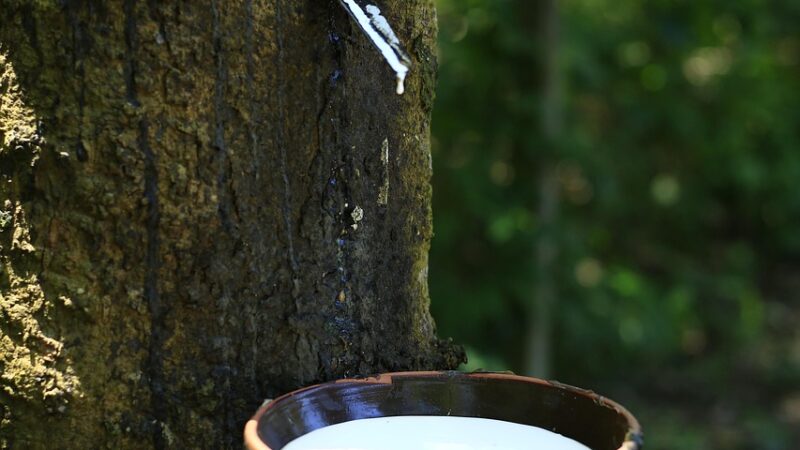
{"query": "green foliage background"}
(679, 226)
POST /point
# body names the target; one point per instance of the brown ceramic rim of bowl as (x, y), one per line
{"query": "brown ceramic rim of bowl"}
(578, 408)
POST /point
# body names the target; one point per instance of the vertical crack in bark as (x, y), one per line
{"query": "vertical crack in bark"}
(280, 139)
(29, 25)
(156, 307)
(154, 365)
(257, 238)
(341, 207)
(220, 79)
(324, 99)
(224, 199)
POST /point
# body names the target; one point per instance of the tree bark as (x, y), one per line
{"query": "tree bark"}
(199, 211)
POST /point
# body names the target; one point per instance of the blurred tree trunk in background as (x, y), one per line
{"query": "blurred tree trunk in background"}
(194, 214)
(545, 29)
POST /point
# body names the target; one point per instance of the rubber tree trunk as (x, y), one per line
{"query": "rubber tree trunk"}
(204, 204)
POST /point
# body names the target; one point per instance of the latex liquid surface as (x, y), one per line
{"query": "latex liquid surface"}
(432, 433)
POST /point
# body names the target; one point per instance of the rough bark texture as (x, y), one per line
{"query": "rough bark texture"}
(198, 212)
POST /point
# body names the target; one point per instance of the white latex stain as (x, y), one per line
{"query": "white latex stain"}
(382, 25)
(432, 433)
(356, 215)
(380, 33)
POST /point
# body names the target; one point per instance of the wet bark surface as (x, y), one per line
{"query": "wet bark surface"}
(204, 204)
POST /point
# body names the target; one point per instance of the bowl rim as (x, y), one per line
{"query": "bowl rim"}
(633, 437)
